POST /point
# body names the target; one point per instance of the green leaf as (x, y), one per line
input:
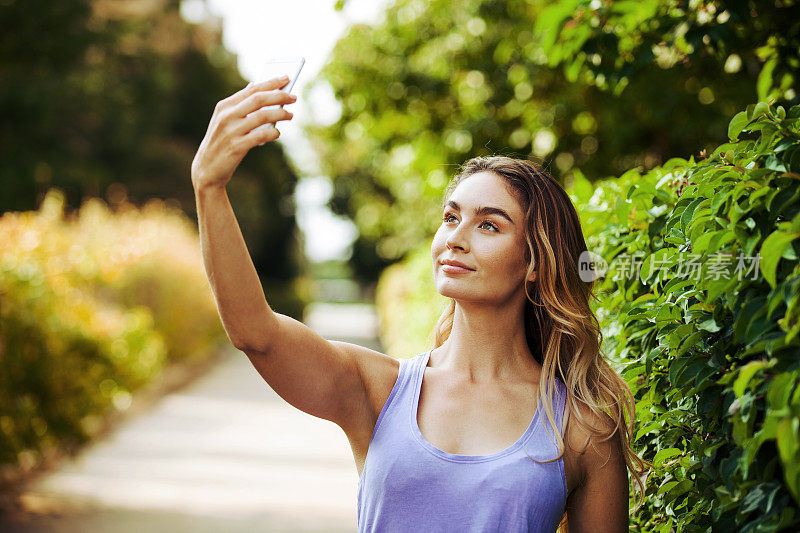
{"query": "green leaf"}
(737, 124)
(681, 488)
(679, 334)
(632, 372)
(780, 389)
(771, 252)
(773, 163)
(758, 110)
(746, 373)
(742, 429)
(687, 214)
(693, 339)
(709, 325)
(581, 187)
(795, 226)
(753, 500)
(550, 21)
(658, 424)
(703, 375)
(663, 455)
(787, 437)
(783, 145)
(765, 82)
(675, 368)
(666, 486)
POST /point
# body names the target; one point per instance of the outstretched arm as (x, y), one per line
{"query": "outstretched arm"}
(237, 125)
(320, 377)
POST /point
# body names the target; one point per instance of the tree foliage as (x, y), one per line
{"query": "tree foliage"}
(112, 99)
(437, 82)
(610, 42)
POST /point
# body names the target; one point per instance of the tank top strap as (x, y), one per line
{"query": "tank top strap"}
(396, 407)
(559, 404)
(410, 369)
(416, 365)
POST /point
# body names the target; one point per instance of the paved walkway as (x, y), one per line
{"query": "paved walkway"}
(223, 454)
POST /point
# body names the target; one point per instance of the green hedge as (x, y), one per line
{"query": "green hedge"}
(712, 354)
(713, 360)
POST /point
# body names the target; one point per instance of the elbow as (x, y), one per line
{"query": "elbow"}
(238, 345)
(260, 337)
(250, 346)
(234, 340)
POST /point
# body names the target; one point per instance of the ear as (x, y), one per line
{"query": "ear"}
(532, 277)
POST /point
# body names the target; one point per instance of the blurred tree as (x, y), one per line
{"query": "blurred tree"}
(607, 42)
(435, 83)
(101, 97)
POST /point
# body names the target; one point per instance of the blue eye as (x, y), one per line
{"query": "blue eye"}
(448, 216)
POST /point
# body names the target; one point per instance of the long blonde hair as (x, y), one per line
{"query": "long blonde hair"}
(561, 330)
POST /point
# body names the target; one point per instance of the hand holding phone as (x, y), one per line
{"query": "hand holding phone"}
(277, 67)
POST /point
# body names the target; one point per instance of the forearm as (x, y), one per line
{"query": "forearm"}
(247, 318)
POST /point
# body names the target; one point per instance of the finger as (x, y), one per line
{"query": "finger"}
(260, 117)
(250, 88)
(261, 99)
(261, 135)
(270, 84)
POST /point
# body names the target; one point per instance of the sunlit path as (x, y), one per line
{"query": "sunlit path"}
(225, 453)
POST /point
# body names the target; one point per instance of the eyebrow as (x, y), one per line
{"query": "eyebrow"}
(482, 210)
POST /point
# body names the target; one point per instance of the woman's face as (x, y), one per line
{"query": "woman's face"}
(488, 243)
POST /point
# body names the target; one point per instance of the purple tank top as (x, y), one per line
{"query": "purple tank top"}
(408, 484)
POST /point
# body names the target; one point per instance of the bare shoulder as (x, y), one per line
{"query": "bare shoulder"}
(378, 373)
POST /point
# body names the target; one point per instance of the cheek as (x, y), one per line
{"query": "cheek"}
(438, 241)
(508, 256)
(435, 248)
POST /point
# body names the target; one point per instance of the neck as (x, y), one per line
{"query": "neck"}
(486, 344)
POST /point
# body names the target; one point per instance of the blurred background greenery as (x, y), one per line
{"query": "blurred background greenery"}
(103, 105)
(626, 84)
(111, 99)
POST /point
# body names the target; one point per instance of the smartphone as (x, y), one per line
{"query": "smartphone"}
(277, 67)
(282, 66)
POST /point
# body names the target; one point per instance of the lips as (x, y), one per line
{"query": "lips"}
(458, 264)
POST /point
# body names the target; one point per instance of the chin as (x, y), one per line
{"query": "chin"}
(449, 291)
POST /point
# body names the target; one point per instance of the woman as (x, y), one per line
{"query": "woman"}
(501, 426)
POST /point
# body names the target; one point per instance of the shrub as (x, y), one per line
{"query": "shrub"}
(710, 349)
(91, 308)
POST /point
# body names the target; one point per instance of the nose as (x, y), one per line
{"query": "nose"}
(456, 239)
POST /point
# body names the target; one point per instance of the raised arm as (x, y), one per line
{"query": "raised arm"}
(320, 377)
(231, 134)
